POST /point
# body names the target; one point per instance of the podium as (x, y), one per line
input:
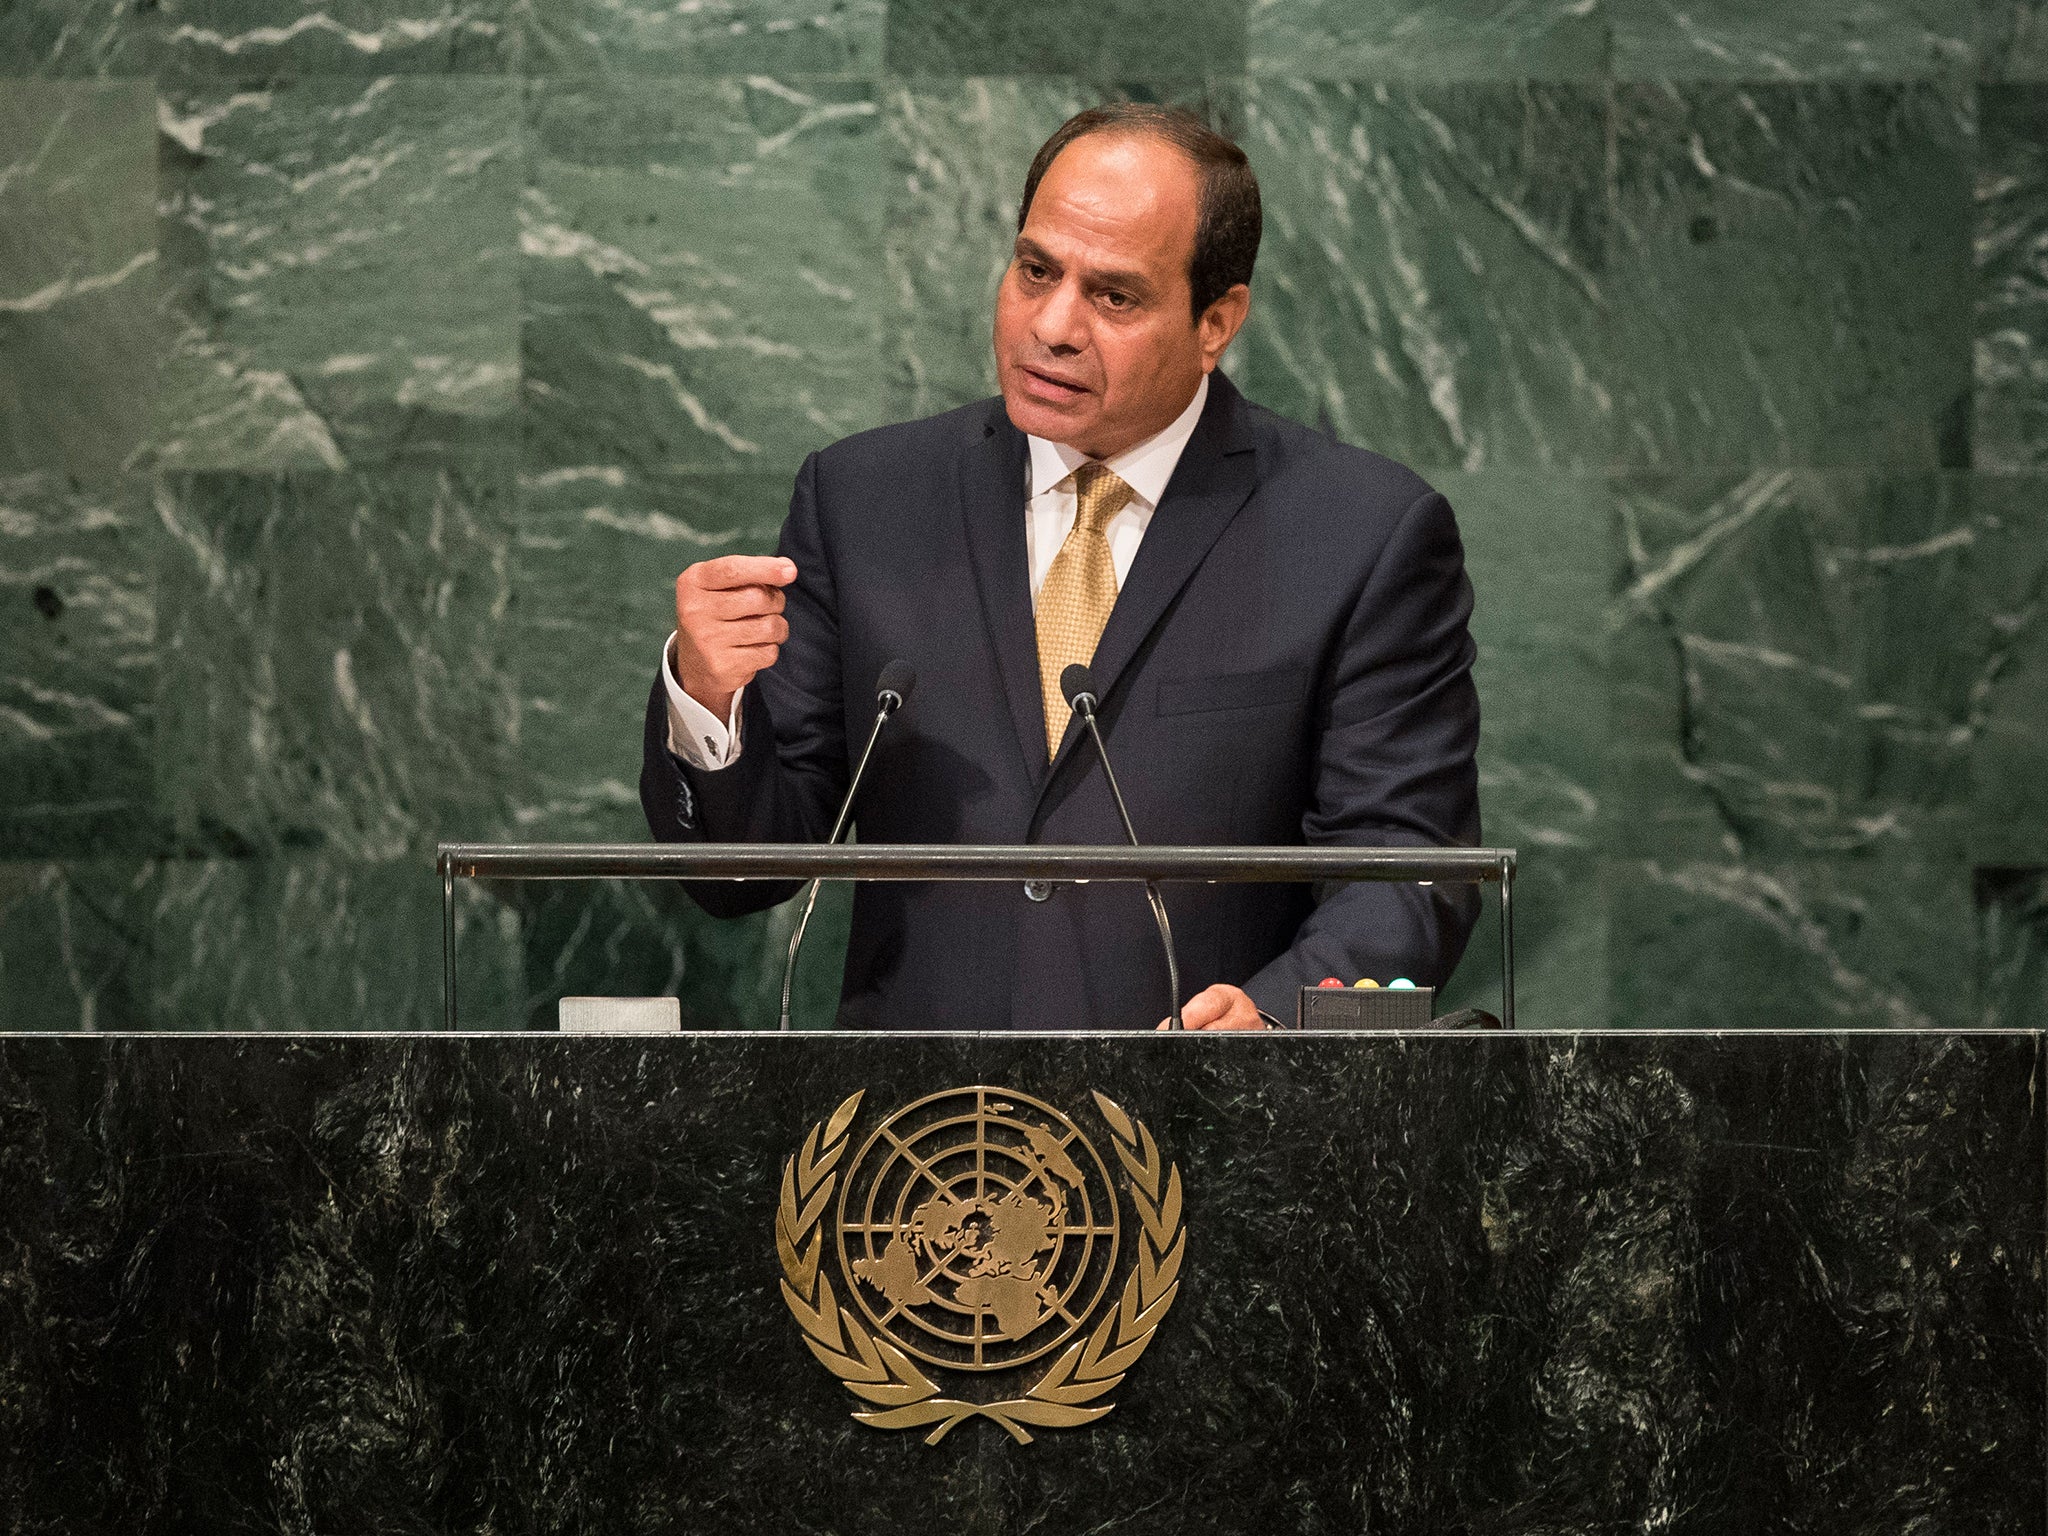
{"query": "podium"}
(1488, 1282)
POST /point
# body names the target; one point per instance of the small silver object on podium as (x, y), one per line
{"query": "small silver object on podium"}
(620, 1016)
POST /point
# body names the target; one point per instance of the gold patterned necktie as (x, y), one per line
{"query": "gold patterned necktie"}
(1079, 591)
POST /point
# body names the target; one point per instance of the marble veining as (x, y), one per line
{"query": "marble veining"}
(2010, 431)
(78, 667)
(1390, 211)
(1795, 654)
(255, 38)
(336, 661)
(2012, 926)
(1134, 40)
(2012, 40)
(1816, 40)
(368, 368)
(342, 283)
(702, 273)
(78, 270)
(957, 150)
(1430, 39)
(580, 37)
(1791, 267)
(70, 39)
(75, 941)
(1718, 944)
(2009, 704)
(582, 649)
(1518, 1285)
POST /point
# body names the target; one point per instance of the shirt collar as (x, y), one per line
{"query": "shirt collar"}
(1145, 467)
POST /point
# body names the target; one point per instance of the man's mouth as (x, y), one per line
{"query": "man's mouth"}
(1050, 386)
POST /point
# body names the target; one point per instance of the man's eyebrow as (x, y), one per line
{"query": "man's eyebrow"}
(1134, 283)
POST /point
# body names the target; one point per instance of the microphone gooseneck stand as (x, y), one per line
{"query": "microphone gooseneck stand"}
(892, 689)
(1079, 686)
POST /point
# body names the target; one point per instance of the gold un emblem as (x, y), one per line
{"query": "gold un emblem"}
(976, 1233)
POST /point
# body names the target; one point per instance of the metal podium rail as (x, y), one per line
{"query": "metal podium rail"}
(943, 861)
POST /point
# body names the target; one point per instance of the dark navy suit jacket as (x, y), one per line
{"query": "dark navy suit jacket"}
(1288, 662)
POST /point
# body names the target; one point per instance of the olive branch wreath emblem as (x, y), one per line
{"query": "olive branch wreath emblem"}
(875, 1370)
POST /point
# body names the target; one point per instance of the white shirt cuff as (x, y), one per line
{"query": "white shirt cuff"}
(695, 734)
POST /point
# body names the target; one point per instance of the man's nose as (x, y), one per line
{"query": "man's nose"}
(1061, 321)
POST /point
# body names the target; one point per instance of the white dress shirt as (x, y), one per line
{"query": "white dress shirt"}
(702, 740)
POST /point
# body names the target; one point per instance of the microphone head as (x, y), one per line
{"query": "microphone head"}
(1077, 683)
(898, 677)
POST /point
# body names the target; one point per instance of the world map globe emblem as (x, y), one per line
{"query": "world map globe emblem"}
(977, 1228)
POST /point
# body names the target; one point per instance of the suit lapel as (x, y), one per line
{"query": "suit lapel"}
(1215, 477)
(992, 502)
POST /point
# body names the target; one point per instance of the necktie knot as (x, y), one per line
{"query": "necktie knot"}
(1099, 494)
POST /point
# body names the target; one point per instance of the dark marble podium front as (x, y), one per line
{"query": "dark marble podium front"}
(1490, 1284)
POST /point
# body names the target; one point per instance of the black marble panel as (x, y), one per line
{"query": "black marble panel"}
(1500, 1284)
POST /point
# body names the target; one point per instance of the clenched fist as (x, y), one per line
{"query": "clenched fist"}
(729, 625)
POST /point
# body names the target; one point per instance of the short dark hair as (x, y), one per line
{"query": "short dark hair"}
(1228, 224)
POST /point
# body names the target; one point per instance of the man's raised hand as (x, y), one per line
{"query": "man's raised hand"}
(729, 625)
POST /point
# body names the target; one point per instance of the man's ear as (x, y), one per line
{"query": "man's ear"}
(1221, 322)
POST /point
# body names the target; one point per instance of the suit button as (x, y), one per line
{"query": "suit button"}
(1038, 890)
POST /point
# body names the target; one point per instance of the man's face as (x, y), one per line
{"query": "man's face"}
(1095, 345)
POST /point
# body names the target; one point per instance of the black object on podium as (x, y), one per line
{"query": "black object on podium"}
(1366, 1007)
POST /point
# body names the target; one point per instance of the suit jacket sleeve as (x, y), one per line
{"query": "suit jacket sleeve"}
(1395, 766)
(790, 774)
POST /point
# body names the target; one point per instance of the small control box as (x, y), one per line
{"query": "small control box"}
(1366, 1007)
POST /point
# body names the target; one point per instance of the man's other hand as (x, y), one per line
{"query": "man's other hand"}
(729, 625)
(1220, 1007)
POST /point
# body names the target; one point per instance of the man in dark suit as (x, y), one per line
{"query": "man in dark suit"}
(1276, 625)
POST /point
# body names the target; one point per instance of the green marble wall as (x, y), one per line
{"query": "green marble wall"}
(368, 368)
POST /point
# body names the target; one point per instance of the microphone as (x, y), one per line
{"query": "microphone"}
(892, 692)
(1078, 687)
